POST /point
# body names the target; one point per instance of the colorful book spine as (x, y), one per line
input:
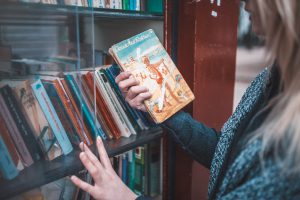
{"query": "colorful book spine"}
(102, 4)
(131, 169)
(95, 128)
(137, 5)
(75, 119)
(131, 4)
(128, 110)
(139, 186)
(22, 125)
(112, 72)
(155, 6)
(36, 119)
(124, 167)
(4, 132)
(125, 4)
(117, 103)
(52, 117)
(61, 111)
(113, 108)
(7, 166)
(100, 102)
(90, 95)
(15, 133)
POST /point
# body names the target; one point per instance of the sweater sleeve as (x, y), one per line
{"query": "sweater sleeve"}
(197, 139)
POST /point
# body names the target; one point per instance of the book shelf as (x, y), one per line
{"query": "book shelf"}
(25, 9)
(45, 172)
(16, 14)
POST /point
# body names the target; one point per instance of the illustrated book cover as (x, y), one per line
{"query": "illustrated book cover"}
(145, 57)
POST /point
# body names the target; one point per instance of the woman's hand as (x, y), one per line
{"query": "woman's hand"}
(108, 186)
(134, 94)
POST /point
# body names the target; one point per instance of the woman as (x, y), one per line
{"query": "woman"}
(257, 153)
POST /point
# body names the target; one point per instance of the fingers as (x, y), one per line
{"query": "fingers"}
(122, 76)
(90, 155)
(124, 85)
(134, 91)
(103, 154)
(92, 169)
(83, 185)
(138, 101)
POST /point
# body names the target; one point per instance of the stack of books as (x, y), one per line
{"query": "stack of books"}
(45, 116)
(134, 5)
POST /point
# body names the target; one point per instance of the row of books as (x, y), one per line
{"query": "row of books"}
(139, 169)
(43, 117)
(135, 5)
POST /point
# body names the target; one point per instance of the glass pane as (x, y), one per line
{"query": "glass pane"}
(57, 89)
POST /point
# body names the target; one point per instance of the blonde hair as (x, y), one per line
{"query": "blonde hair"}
(280, 20)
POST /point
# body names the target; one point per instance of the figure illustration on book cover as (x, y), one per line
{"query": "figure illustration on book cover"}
(145, 57)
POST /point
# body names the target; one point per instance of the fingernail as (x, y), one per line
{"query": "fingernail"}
(98, 138)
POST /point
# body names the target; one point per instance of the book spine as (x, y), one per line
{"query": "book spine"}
(15, 134)
(113, 108)
(128, 110)
(75, 119)
(124, 168)
(52, 117)
(92, 102)
(125, 4)
(113, 71)
(102, 4)
(103, 107)
(75, 106)
(10, 145)
(137, 5)
(61, 112)
(26, 133)
(139, 186)
(7, 166)
(96, 128)
(143, 5)
(131, 169)
(117, 103)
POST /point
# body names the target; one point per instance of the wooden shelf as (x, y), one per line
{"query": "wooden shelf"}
(19, 11)
(45, 172)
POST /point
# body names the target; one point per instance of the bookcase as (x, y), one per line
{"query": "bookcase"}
(75, 38)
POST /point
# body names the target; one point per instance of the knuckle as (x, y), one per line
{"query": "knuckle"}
(121, 85)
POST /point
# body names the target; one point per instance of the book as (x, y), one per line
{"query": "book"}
(112, 72)
(89, 77)
(144, 56)
(61, 111)
(116, 102)
(154, 6)
(139, 182)
(112, 107)
(76, 120)
(22, 125)
(131, 169)
(135, 121)
(7, 166)
(52, 117)
(92, 101)
(36, 118)
(4, 132)
(93, 124)
(15, 133)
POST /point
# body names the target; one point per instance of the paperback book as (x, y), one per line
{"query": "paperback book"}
(144, 56)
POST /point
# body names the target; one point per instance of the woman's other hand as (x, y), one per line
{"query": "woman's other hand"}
(108, 186)
(134, 94)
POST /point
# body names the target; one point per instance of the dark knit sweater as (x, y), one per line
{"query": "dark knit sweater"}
(235, 167)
